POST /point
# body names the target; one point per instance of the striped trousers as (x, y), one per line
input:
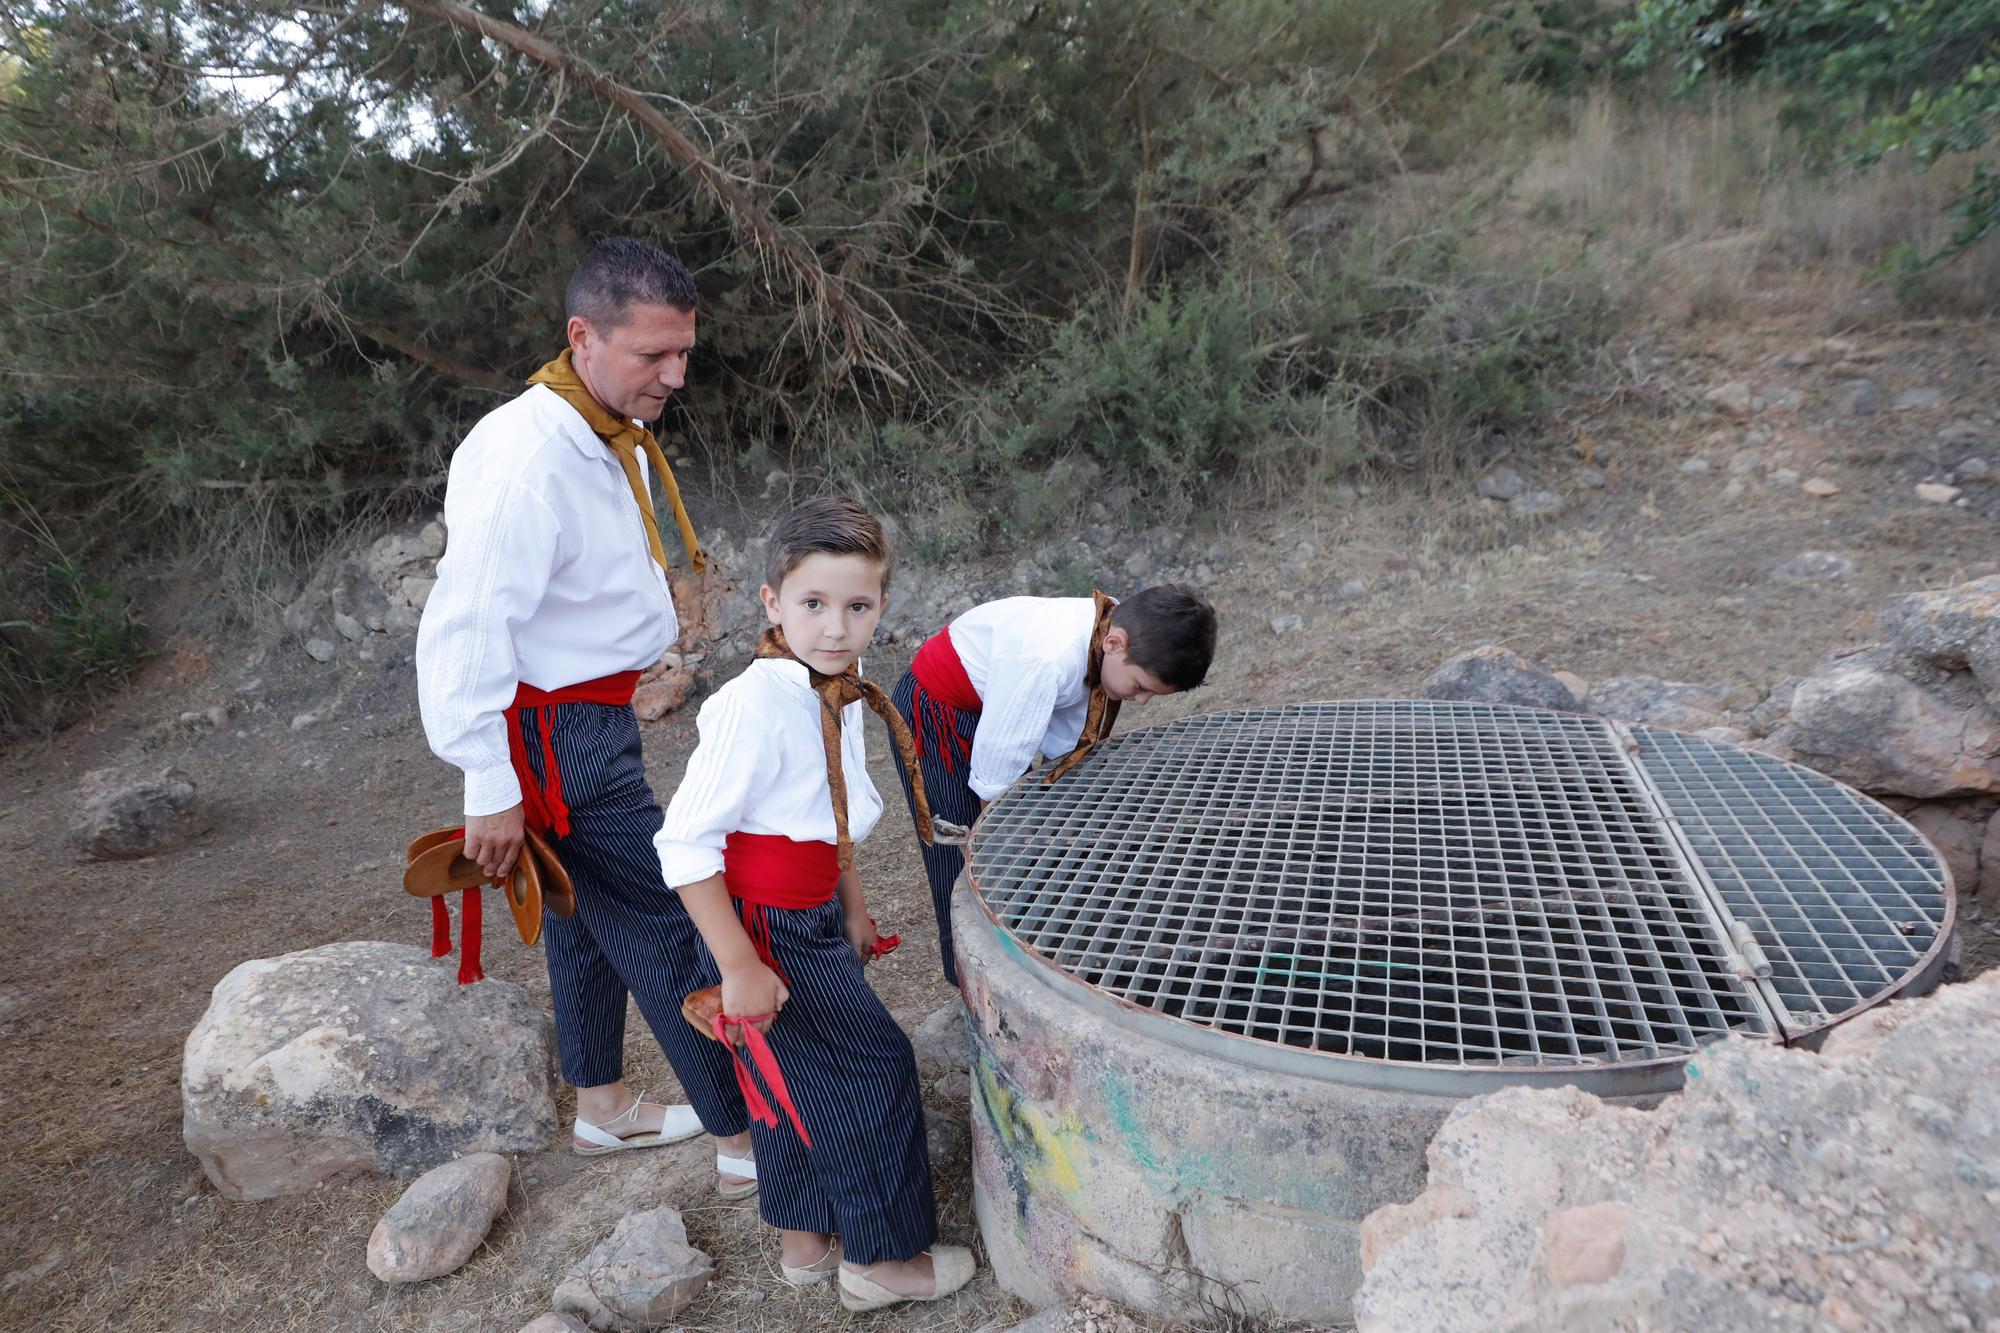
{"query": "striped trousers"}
(630, 933)
(946, 786)
(853, 1078)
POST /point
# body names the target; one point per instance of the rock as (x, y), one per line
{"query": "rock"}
(954, 1087)
(320, 650)
(302, 721)
(1857, 398)
(1952, 629)
(1974, 469)
(1785, 476)
(217, 717)
(1695, 465)
(416, 590)
(1775, 706)
(1936, 493)
(1775, 1182)
(1917, 399)
(440, 1220)
(1724, 735)
(360, 1057)
(1532, 504)
(1734, 489)
(1989, 858)
(1778, 399)
(551, 1322)
(348, 627)
(1816, 567)
(1820, 488)
(1959, 432)
(1138, 564)
(1662, 703)
(1491, 674)
(1578, 687)
(1502, 483)
(1884, 733)
(656, 698)
(121, 817)
(1589, 478)
(1746, 460)
(643, 1274)
(1288, 623)
(1353, 588)
(949, 1140)
(1957, 829)
(1733, 399)
(941, 1042)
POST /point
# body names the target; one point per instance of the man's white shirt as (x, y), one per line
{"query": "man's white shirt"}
(1027, 658)
(760, 767)
(547, 579)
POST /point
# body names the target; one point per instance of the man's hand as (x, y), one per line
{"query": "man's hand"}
(494, 841)
(753, 991)
(861, 934)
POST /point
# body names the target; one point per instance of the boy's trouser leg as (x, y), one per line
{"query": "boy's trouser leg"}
(630, 932)
(853, 1077)
(947, 772)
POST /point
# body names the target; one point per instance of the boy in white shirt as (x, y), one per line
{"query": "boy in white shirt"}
(758, 841)
(1028, 675)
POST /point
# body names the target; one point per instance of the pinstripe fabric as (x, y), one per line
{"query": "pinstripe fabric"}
(853, 1076)
(951, 798)
(630, 932)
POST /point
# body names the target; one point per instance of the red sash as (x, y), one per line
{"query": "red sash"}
(946, 692)
(542, 805)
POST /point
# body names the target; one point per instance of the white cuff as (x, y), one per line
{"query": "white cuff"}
(685, 863)
(488, 791)
(986, 791)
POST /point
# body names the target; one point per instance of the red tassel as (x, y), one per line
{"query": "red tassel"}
(469, 969)
(440, 928)
(767, 1065)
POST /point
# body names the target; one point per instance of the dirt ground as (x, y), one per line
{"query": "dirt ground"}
(107, 1222)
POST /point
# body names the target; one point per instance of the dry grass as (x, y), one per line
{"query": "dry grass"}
(1711, 209)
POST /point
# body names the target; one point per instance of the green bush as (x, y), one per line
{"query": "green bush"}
(65, 637)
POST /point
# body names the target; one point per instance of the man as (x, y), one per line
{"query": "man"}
(551, 598)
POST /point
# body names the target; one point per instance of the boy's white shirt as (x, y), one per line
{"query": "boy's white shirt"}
(546, 578)
(760, 767)
(1027, 657)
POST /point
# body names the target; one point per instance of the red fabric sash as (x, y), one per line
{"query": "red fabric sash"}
(766, 1061)
(946, 691)
(542, 806)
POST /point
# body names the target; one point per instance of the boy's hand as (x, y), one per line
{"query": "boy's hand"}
(753, 991)
(861, 934)
(494, 842)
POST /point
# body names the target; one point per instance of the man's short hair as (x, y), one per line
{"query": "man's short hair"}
(830, 525)
(621, 271)
(1169, 633)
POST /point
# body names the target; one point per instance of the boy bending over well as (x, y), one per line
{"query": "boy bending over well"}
(760, 835)
(1035, 674)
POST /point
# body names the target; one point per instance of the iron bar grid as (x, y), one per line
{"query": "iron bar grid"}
(1411, 881)
(1845, 898)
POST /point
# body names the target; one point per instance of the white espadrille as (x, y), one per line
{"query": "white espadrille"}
(677, 1124)
(952, 1267)
(736, 1166)
(816, 1272)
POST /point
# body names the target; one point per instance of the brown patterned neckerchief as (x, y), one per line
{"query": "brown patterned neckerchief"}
(1102, 712)
(835, 693)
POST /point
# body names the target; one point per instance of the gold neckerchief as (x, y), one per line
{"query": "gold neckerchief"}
(625, 438)
(1102, 711)
(835, 693)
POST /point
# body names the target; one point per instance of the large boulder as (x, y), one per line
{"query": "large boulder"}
(1781, 1189)
(1893, 731)
(643, 1275)
(1952, 629)
(122, 817)
(1491, 674)
(360, 1057)
(1682, 705)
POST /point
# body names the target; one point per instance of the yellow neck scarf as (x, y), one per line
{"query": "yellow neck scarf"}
(626, 438)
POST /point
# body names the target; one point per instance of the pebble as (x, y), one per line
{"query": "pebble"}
(1820, 488)
(1857, 397)
(218, 716)
(1354, 588)
(304, 720)
(1974, 469)
(1959, 432)
(320, 650)
(1590, 478)
(1745, 460)
(1139, 564)
(1534, 503)
(1288, 623)
(1695, 465)
(1918, 399)
(1733, 398)
(1785, 476)
(1502, 483)
(1734, 489)
(348, 627)
(1936, 493)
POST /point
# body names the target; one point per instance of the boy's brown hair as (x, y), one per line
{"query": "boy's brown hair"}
(1170, 632)
(830, 525)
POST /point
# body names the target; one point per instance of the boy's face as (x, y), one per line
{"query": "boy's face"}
(1122, 678)
(828, 607)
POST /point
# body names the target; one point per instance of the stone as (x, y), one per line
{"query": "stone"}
(217, 716)
(656, 698)
(1723, 735)
(1775, 706)
(1857, 397)
(1882, 732)
(1816, 567)
(1820, 488)
(1661, 703)
(941, 1042)
(1353, 588)
(1956, 829)
(1586, 1244)
(416, 590)
(1974, 469)
(551, 1322)
(360, 1058)
(1917, 399)
(1535, 504)
(320, 650)
(1695, 465)
(1746, 460)
(1492, 674)
(1138, 564)
(1785, 476)
(1959, 432)
(954, 1087)
(304, 721)
(1951, 629)
(1589, 478)
(1288, 623)
(122, 817)
(1732, 399)
(1578, 687)
(348, 627)
(1775, 1178)
(1502, 483)
(1936, 493)
(440, 1220)
(640, 1277)
(1734, 489)
(949, 1141)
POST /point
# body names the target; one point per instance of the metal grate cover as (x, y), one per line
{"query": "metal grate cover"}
(1464, 884)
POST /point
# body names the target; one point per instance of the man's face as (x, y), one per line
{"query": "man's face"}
(632, 368)
(828, 607)
(1122, 678)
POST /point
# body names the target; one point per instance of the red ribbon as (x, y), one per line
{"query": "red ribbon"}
(944, 691)
(766, 1062)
